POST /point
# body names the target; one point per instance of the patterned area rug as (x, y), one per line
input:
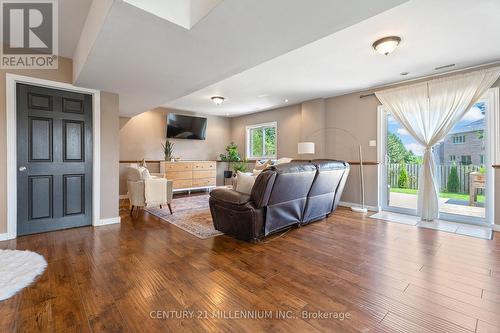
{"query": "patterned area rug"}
(191, 214)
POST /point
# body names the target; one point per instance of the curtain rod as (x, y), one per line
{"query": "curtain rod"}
(430, 77)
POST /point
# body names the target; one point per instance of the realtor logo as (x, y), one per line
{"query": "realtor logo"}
(29, 34)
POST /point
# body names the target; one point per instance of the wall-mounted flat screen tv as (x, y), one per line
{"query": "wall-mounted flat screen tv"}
(186, 127)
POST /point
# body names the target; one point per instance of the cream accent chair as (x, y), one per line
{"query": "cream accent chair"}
(147, 191)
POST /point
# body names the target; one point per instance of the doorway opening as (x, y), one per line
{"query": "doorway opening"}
(12, 166)
(464, 162)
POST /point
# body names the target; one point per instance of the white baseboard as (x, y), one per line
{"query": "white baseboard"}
(496, 227)
(4, 237)
(351, 204)
(123, 196)
(112, 220)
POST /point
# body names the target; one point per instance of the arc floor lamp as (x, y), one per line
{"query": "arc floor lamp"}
(309, 147)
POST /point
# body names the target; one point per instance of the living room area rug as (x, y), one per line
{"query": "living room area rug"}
(191, 214)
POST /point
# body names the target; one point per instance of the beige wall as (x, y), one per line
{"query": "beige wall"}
(63, 74)
(289, 128)
(359, 117)
(312, 126)
(141, 137)
(110, 155)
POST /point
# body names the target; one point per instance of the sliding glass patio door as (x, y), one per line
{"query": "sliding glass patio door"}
(463, 159)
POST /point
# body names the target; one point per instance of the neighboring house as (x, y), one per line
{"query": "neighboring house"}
(464, 145)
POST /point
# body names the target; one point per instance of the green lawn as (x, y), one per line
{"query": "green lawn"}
(456, 196)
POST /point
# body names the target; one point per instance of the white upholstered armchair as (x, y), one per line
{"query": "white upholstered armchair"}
(147, 191)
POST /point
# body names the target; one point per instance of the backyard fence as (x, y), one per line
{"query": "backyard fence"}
(413, 172)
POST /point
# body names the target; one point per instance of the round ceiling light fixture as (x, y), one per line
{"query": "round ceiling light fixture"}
(386, 45)
(218, 100)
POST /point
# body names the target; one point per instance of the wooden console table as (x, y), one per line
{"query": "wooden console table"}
(190, 175)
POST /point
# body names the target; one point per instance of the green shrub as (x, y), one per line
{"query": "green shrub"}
(403, 180)
(453, 185)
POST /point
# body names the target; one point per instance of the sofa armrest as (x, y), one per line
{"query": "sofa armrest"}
(230, 196)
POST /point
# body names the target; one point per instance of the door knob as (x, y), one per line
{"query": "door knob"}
(22, 168)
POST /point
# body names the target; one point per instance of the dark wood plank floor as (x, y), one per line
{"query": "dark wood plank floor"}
(386, 277)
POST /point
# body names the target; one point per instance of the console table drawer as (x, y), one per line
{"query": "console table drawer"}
(178, 166)
(204, 174)
(204, 166)
(182, 183)
(173, 175)
(201, 182)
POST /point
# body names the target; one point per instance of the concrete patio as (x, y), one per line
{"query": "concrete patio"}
(409, 201)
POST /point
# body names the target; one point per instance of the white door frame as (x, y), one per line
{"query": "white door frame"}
(493, 148)
(11, 81)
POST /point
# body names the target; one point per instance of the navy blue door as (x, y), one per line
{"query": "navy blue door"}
(54, 159)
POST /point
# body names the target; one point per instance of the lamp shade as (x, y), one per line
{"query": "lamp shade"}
(305, 148)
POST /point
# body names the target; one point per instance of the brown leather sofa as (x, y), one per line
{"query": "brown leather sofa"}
(283, 196)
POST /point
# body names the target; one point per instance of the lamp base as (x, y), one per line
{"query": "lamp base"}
(359, 210)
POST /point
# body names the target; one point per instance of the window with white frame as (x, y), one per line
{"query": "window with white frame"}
(459, 139)
(261, 141)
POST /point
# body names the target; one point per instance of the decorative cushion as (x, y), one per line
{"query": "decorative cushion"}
(145, 174)
(261, 165)
(283, 160)
(256, 172)
(244, 183)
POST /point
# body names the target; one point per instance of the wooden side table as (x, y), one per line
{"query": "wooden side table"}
(476, 181)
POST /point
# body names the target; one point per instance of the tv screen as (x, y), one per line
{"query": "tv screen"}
(186, 127)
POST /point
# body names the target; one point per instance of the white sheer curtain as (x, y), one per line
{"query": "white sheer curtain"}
(428, 111)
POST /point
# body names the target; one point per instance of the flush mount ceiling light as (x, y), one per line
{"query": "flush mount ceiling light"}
(386, 45)
(218, 100)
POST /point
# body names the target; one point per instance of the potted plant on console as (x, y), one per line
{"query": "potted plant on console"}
(233, 157)
(168, 150)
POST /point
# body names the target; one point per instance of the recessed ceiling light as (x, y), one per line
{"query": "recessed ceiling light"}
(218, 100)
(386, 45)
(405, 73)
(285, 100)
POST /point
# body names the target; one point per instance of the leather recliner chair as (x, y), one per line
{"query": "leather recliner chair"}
(283, 196)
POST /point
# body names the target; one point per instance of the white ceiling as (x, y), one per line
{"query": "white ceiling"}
(185, 13)
(434, 33)
(150, 61)
(72, 15)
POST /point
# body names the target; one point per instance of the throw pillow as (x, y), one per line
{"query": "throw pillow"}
(145, 173)
(261, 165)
(283, 160)
(256, 172)
(244, 182)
